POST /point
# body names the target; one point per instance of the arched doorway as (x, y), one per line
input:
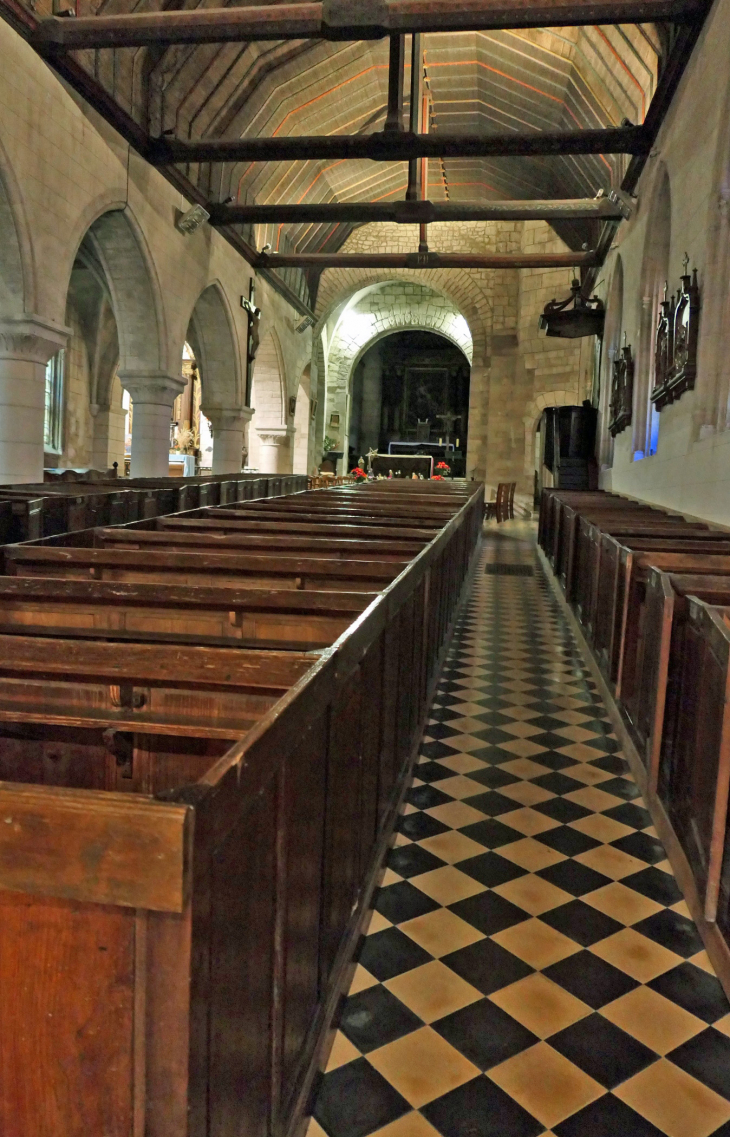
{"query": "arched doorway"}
(411, 387)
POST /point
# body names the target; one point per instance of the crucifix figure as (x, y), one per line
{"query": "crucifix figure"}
(685, 262)
(449, 420)
(252, 342)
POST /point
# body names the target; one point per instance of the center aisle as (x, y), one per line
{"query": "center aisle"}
(530, 966)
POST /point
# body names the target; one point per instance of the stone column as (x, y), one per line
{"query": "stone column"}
(152, 398)
(275, 449)
(370, 414)
(26, 345)
(228, 425)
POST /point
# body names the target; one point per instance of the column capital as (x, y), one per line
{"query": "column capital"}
(228, 418)
(155, 387)
(276, 435)
(31, 338)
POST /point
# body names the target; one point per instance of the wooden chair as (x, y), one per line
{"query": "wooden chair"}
(502, 508)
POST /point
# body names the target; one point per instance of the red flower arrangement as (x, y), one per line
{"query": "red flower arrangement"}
(443, 466)
(358, 473)
(436, 477)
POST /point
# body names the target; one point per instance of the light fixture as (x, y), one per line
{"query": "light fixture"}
(573, 318)
(192, 219)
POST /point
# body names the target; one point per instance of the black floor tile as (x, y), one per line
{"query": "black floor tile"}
(621, 787)
(489, 912)
(672, 931)
(630, 814)
(547, 722)
(556, 761)
(612, 764)
(487, 966)
(426, 797)
(493, 777)
(439, 731)
(485, 1034)
(549, 740)
(707, 1058)
(391, 952)
(493, 735)
(355, 1100)
(420, 825)
(581, 922)
(567, 840)
(492, 803)
(575, 878)
(642, 846)
(432, 771)
(591, 979)
(561, 810)
(557, 782)
(692, 988)
(607, 1117)
(480, 1109)
(655, 884)
(602, 1050)
(375, 1017)
(411, 860)
(442, 714)
(489, 868)
(491, 833)
(401, 901)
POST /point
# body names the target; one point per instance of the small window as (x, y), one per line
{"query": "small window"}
(52, 430)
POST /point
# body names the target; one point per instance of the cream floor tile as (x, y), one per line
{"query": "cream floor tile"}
(341, 1053)
(422, 1066)
(674, 1101)
(546, 1084)
(432, 991)
(447, 885)
(533, 894)
(457, 814)
(658, 1023)
(536, 943)
(441, 932)
(452, 846)
(540, 1005)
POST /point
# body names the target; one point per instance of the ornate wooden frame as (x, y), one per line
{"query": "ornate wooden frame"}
(675, 358)
(622, 392)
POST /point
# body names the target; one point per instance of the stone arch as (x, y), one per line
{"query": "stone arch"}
(533, 413)
(466, 291)
(713, 371)
(377, 311)
(303, 422)
(270, 434)
(17, 269)
(610, 350)
(212, 337)
(654, 274)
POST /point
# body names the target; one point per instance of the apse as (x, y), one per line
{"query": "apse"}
(411, 388)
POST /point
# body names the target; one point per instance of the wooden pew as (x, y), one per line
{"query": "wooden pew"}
(655, 652)
(621, 574)
(255, 543)
(156, 566)
(193, 840)
(694, 767)
(223, 523)
(179, 613)
(590, 547)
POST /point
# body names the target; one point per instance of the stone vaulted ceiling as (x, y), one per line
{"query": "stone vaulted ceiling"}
(490, 82)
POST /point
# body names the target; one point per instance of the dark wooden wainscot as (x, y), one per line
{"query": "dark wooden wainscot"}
(192, 819)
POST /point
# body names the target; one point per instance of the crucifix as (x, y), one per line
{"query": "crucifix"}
(252, 341)
(449, 420)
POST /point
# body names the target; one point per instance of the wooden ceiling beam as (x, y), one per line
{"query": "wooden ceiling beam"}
(344, 20)
(419, 212)
(401, 146)
(324, 261)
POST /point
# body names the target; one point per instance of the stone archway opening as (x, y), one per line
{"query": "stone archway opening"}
(410, 390)
(271, 434)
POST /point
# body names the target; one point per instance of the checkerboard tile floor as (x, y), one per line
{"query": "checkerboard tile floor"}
(530, 967)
